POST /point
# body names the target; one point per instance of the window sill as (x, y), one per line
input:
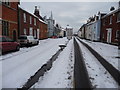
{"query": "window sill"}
(118, 21)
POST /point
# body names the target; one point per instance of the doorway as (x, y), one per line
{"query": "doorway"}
(14, 35)
(109, 35)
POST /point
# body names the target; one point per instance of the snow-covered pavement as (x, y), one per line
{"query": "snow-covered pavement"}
(98, 75)
(109, 52)
(61, 73)
(17, 67)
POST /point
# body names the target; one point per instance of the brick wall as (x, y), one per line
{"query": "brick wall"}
(106, 25)
(10, 14)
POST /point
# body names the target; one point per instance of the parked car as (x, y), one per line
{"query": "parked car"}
(27, 40)
(7, 44)
(37, 41)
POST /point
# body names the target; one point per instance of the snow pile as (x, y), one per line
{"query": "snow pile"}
(98, 75)
(61, 73)
(109, 52)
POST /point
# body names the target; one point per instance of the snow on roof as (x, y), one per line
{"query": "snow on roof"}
(69, 27)
(112, 12)
(32, 14)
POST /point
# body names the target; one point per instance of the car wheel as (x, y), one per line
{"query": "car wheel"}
(17, 48)
(37, 43)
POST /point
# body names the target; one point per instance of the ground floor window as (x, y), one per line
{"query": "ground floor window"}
(35, 33)
(31, 32)
(5, 28)
(25, 31)
(118, 34)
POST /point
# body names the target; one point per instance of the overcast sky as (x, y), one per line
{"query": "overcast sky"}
(73, 13)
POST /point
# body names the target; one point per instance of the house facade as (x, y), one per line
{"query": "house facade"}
(69, 32)
(81, 31)
(110, 27)
(30, 24)
(50, 27)
(9, 19)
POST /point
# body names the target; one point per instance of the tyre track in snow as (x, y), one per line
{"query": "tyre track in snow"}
(112, 70)
(81, 78)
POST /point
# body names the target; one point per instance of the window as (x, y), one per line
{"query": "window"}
(5, 27)
(110, 19)
(25, 32)
(24, 15)
(118, 17)
(31, 32)
(34, 21)
(35, 34)
(30, 19)
(118, 34)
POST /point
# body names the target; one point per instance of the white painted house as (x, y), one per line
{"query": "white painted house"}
(69, 32)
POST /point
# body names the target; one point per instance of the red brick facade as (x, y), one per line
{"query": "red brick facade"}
(32, 26)
(9, 19)
(110, 26)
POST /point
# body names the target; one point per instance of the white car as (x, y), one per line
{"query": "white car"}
(28, 40)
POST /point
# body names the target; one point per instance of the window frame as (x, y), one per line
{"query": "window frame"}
(25, 31)
(25, 17)
(35, 21)
(111, 19)
(30, 19)
(118, 17)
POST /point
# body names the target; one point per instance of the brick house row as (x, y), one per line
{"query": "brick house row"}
(9, 19)
(102, 27)
(31, 24)
(15, 21)
(110, 27)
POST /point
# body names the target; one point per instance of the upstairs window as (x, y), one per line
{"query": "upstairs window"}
(30, 19)
(110, 19)
(118, 17)
(34, 21)
(24, 16)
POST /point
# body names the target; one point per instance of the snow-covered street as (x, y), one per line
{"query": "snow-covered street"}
(18, 67)
(98, 75)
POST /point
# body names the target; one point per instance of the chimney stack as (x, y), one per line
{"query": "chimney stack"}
(112, 8)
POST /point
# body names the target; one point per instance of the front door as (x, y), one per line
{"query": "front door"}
(109, 35)
(14, 35)
(38, 32)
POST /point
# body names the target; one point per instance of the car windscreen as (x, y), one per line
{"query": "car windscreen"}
(22, 37)
(30, 37)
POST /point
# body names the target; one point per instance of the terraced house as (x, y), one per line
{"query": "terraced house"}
(9, 19)
(32, 24)
(110, 28)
